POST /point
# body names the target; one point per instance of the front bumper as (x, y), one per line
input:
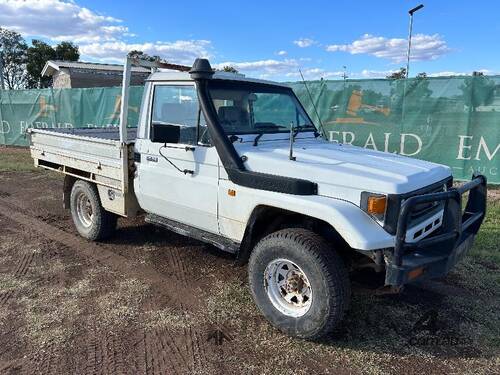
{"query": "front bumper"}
(435, 255)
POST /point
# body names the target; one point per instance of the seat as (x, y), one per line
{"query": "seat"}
(232, 116)
(178, 113)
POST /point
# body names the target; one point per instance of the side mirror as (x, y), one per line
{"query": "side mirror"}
(161, 133)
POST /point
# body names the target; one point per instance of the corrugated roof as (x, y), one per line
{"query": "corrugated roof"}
(55, 65)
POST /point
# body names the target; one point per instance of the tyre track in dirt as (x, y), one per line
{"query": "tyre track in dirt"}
(5, 297)
(23, 264)
(20, 270)
(180, 352)
(48, 362)
(163, 351)
(105, 354)
(100, 253)
(175, 259)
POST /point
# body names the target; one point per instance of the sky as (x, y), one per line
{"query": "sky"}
(274, 39)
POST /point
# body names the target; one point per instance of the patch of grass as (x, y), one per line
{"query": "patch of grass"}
(480, 322)
(486, 247)
(168, 318)
(16, 159)
(50, 316)
(474, 276)
(52, 313)
(228, 301)
(122, 305)
(10, 283)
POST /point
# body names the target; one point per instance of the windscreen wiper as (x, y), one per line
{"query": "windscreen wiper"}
(300, 128)
(256, 140)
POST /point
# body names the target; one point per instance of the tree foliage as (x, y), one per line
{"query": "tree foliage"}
(38, 55)
(230, 69)
(143, 56)
(13, 54)
(400, 74)
(67, 51)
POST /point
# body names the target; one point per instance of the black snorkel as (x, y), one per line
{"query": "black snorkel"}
(202, 73)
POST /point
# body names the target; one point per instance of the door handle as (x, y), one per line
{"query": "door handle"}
(152, 158)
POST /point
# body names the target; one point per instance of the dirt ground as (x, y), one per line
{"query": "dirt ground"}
(149, 301)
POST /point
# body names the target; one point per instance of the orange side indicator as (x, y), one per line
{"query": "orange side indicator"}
(376, 205)
(231, 192)
(413, 274)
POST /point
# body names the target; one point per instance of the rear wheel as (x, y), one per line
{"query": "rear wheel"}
(299, 283)
(91, 220)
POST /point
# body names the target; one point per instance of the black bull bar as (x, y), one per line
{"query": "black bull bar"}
(435, 255)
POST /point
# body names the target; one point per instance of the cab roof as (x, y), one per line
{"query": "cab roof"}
(166, 75)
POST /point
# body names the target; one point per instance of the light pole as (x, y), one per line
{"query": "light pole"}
(344, 74)
(411, 12)
(2, 86)
(410, 28)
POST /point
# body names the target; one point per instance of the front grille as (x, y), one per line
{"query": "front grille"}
(423, 210)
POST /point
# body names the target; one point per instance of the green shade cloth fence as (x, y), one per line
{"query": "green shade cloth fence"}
(450, 120)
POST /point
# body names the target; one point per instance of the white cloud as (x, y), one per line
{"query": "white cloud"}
(180, 51)
(366, 73)
(58, 20)
(424, 47)
(99, 37)
(304, 42)
(263, 68)
(282, 53)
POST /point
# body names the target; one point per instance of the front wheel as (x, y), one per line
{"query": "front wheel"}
(91, 220)
(299, 283)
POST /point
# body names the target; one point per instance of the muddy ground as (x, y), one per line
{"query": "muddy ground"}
(149, 301)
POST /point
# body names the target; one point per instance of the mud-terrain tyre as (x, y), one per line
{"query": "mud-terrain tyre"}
(91, 220)
(309, 307)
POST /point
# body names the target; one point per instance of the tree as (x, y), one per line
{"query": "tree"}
(400, 74)
(143, 56)
(67, 51)
(38, 55)
(230, 69)
(13, 54)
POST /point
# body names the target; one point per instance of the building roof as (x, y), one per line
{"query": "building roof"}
(52, 66)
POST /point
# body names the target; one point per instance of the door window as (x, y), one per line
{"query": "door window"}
(178, 105)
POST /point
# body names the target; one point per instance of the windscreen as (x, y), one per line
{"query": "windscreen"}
(251, 108)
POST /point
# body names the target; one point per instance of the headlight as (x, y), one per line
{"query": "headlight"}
(374, 205)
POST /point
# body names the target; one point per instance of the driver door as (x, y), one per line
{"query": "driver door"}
(164, 188)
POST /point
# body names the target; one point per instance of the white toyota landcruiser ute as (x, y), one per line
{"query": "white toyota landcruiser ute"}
(238, 163)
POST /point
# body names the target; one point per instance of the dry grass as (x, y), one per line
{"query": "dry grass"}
(15, 159)
(169, 318)
(51, 316)
(122, 305)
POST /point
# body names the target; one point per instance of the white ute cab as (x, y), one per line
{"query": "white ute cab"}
(238, 163)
